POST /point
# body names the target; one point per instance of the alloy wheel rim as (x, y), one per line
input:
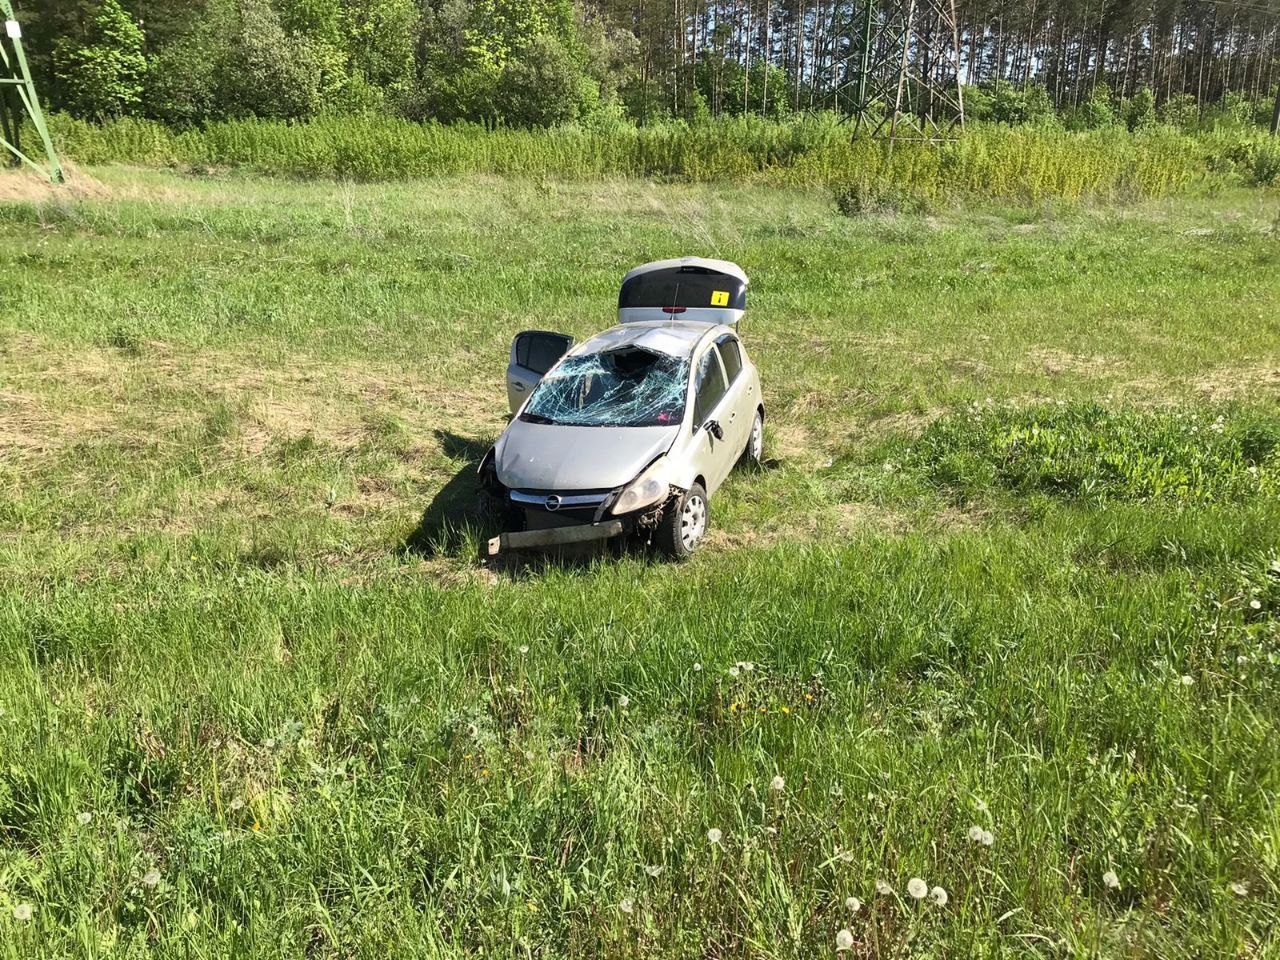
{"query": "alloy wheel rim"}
(693, 521)
(757, 439)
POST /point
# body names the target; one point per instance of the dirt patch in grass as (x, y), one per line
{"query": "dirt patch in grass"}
(1059, 362)
(27, 186)
(1241, 381)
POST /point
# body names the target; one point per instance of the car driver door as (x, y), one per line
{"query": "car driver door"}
(533, 353)
(713, 444)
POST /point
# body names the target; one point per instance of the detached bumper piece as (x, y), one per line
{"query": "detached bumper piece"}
(554, 536)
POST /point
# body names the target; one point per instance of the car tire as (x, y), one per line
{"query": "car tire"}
(684, 524)
(753, 453)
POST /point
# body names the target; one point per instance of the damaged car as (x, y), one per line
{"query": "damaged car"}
(630, 433)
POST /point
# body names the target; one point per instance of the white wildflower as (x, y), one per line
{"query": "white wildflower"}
(627, 906)
(776, 784)
(1111, 880)
(884, 888)
(84, 818)
(844, 940)
(524, 648)
(697, 668)
(1188, 680)
(938, 896)
(852, 904)
(624, 701)
(1255, 604)
(22, 912)
(714, 835)
(151, 878)
(917, 888)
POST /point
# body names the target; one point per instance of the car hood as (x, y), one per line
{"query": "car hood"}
(538, 456)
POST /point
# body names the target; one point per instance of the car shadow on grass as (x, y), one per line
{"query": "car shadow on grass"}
(458, 522)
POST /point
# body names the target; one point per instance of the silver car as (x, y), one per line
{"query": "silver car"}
(632, 431)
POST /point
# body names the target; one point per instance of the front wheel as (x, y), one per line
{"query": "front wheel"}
(684, 524)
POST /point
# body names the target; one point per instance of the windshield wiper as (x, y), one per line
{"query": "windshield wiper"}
(536, 418)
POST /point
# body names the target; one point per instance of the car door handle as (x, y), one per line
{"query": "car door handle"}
(518, 385)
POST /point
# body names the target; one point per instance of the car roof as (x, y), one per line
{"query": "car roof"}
(675, 338)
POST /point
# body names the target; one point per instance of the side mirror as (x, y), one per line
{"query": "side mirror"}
(713, 427)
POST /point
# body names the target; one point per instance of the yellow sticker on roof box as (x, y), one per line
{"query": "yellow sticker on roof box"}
(719, 298)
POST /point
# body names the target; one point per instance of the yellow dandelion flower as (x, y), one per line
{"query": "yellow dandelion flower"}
(786, 709)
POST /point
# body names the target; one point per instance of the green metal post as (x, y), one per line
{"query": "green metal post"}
(26, 88)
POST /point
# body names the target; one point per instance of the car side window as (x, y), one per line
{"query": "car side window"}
(709, 388)
(539, 352)
(731, 357)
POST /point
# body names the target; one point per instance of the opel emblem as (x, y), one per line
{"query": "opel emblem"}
(553, 503)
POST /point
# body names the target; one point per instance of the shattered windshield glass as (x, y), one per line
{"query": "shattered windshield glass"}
(621, 388)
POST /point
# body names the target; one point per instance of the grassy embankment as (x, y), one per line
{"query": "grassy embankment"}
(1014, 568)
(1020, 164)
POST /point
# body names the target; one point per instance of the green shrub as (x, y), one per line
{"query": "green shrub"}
(103, 75)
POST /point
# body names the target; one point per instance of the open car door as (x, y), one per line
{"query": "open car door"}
(533, 353)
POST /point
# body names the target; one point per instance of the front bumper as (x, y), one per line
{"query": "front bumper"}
(555, 536)
(572, 517)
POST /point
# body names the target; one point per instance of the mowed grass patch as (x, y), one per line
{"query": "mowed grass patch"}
(1008, 568)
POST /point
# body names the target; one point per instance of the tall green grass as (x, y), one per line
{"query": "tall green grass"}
(1018, 164)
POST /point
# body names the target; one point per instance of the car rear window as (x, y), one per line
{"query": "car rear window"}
(683, 287)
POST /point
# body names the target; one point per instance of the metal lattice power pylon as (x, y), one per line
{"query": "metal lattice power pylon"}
(897, 71)
(18, 100)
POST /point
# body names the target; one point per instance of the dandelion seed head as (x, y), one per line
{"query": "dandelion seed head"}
(697, 668)
(975, 833)
(1255, 604)
(22, 912)
(151, 878)
(1111, 880)
(733, 671)
(1241, 660)
(714, 835)
(917, 888)
(884, 888)
(653, 870)
(84, 818)
(624, 701)
(852, 904)
(987, 838)
(1240, 889)
(627, 906)
(939, 896)
(844, 940)
(980, 806)
(524, 648)
(776, 784)
(236, 804)
(1188, 680)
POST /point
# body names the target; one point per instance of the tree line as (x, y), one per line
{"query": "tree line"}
(543, 62)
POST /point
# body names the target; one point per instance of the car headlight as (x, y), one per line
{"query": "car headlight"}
(647, 489)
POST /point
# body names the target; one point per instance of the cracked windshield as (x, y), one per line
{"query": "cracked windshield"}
(623, 388)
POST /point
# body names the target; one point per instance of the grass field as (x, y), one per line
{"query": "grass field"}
(1012, 565)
